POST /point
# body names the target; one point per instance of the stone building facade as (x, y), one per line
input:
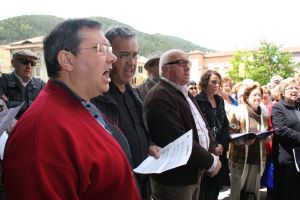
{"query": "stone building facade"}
(219, 61)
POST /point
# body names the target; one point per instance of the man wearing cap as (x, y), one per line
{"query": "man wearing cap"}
(19, 86)
(153, 74)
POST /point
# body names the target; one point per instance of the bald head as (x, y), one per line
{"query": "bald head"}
(174, 65)
(169, 56)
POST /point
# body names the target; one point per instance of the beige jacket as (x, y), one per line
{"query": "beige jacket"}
(238, 153)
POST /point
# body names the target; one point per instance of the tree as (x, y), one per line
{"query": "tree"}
(262, 64)
(241, 61)
(28, 26)
(270, 61)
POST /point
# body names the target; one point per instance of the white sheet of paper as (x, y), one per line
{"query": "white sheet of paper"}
(173, 155)
(3, 139)
(296, 153)
(7, 116)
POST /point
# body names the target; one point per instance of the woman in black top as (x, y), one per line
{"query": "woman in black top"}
(286, 117)
(212, 107)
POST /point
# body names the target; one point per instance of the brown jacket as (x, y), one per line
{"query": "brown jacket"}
(169, 116)
(238, 153)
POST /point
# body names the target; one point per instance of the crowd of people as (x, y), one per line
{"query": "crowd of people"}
(81, 134)
(251, 107)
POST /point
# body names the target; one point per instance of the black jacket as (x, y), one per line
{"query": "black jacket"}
(137, 137)
(107, 104)
(288, 135)
(219, 124)
(17, 93)
(218, 121)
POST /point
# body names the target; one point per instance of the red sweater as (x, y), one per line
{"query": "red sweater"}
(59, 151)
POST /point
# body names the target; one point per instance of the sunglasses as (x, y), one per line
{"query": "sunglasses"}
(193, 88)
(26, 62)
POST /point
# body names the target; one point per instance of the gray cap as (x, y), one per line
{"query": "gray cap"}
(25, 53)
(152, 57)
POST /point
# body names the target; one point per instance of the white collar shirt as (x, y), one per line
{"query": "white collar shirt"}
(21, 80)
(200, 124)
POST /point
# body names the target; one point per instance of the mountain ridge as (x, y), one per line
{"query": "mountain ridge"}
(23, 27)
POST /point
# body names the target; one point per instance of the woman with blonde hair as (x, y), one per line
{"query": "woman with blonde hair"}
(286, 117)
(226, 92)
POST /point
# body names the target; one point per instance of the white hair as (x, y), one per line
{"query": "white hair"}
(166, 56)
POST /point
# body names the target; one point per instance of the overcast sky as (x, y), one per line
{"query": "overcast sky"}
(217, 24)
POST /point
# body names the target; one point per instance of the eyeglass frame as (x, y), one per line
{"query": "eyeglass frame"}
(126, 56)
(100, 48)
(25, 61)
(181, 63)
(291, 89)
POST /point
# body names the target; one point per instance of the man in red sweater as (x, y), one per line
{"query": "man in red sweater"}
(62, 147)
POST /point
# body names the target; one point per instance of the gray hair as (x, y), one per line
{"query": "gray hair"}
(285, 83)
(65, 36)
(276, 77)
(119, 31)
(166, 57)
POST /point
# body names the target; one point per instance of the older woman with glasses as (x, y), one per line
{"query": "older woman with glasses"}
(247, 158)
(212, 107)
(286, 117)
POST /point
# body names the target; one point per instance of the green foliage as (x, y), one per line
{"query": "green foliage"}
(157, 42)
(262, 64)
(270, 61)
(28, 26)
(241, 61)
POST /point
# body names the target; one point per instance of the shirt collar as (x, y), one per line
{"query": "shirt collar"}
(21, 80)
(184, 89)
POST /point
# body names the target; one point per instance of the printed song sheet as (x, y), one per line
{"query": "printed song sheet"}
(173, 155)
(7, 116)
(296, 153)
(251, 135)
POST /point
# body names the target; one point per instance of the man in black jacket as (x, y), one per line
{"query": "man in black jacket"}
(20, 85)
(122, 104)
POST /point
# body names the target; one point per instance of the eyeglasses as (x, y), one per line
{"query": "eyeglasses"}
(255, 94)
(181, 63)
(126, 56)
(24, 61)
(102, 49)
(291, 88)
(193, 88)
